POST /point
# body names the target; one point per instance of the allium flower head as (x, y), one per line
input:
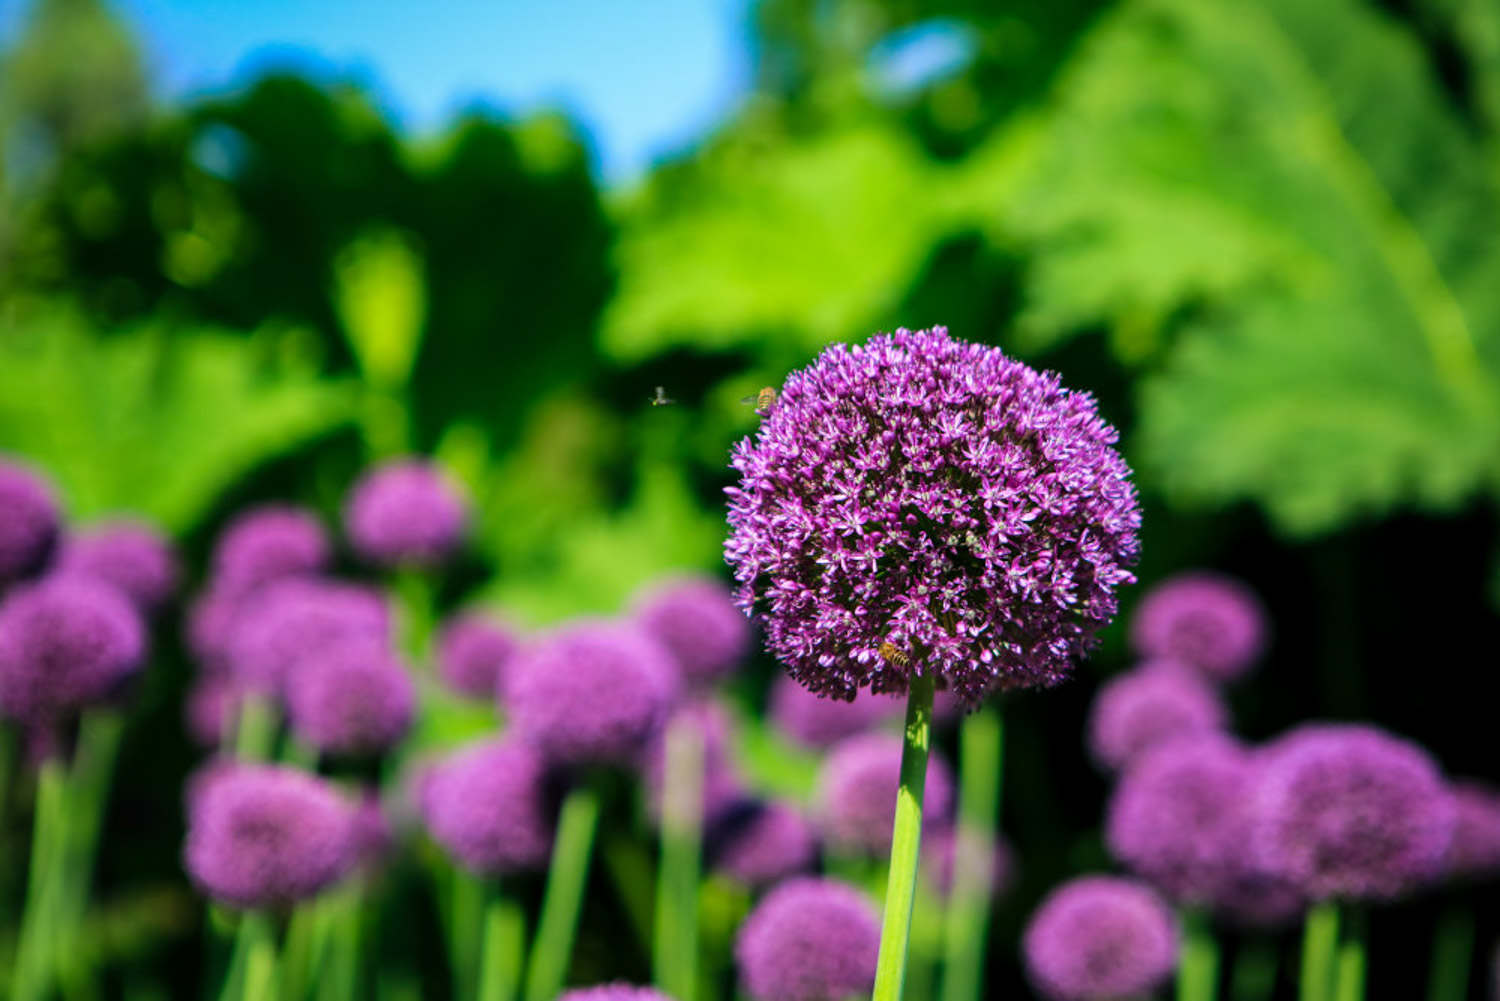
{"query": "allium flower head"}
(268, 543)
(1475, 850)
(1208, 620)
(697, 621)
(295, 620)
(1351, 812)
(492, 807)
(65, 643)
(857, 793)
(355, 697)
(815, 720)
(938, 499)
(760, 843)
(212, 706)
(473, 651)
(809, 940)
(405, 512)
(940, 851)
(1155, 702)
(591, 693)
(1099, 938)
(264, 835)
(129, 556)
(614, 992)
(28, 521)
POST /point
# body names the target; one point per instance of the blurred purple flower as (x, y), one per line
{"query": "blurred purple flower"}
(131, 557)
(1157, 701)
(28, 521)
(295, 620)
(492, 807)
(760, 843)
(1208, 620)
(212, 707)
(473, 651)
(940, 850)
(939, 499)
(591, 693)
(405, 512)
(264, 835)
(613, 992)
(815, 720)
(809, 940)
(65, 643)
(857, 793)
(1474, 852)
(696, 620)
(1099, 938)
(1351, 812)
(355, 697)
(374, 839)
(265, 544)
(722, 787)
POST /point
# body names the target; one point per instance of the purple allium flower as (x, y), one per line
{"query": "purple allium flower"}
(760, 843)
(491, 805)
(129, 556)
(591, 693)
(405, 512)
(1475, 850)
(614, 992)
(1099, 938)
(1208, 620)
(355, 697)
(937, 498)
(65, 643)
(1155, 702)
(295, 620)
(472, 653)
(697, 621)
(815, 720)
(809, 940)
(1351, 812)
(267, 543)
(28, 521)
(212, 707)
(940, 850)
(857, 793)
(373, 836)
(722, 787)
(264, 835)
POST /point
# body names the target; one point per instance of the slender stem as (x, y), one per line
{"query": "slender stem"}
(1452, 955)
(1320, 939)
(34, 948)
(466, 931)
(297, 957)
(553, 947)
(342, 979)
(1198, 969)
(1351, 966)
(504, 950)
(1254, 974)
(255, 734)
(416, 600)
(629, 868)
(675, 958)
(260, 958)
(906, 841)
(981, 750)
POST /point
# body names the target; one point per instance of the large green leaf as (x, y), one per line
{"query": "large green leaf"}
(1272, 206)
(155, 422)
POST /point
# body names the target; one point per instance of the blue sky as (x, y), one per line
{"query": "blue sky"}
(644, 77)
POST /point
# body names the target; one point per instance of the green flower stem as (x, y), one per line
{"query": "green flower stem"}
(340, 981)
(553, 948)
(675, 957)
(1351, 964)
(1254, 975)
(466, 931)
(417, 600)
(1452, 955)
(906, 841)
(1320, 939)
(35, 946)
(504, 949)
(1198, 969)
(629, 868)
(260, 957)
(981, 756)
(297, 955)
(255, 732)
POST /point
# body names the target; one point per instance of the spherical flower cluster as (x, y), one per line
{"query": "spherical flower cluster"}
(697, 621)
(263, 835)
(815, 720)
(28, 522)
(937, 501)
(131, 557)
(65, 643)
(940, 853)
(1208, 620)
(592, 693)
(266, 544)
(857, 793)
(472, 654)
(492, 807)
(1475, 850)
(405, 512)
(1099, 938)
(614, 992)
(1351, 812)
(296, 620)
(1144, 707)
(760, 843)
(354, 698)
(809, 940)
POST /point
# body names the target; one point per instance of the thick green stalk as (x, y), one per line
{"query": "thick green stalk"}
(260, 958)
(1198, 968)
(981, 752)
(1320, 940)
(1452, 955)
(341, 980)
(1254, 974)
(675, 956)
(255, 732)
(1351, 967)
(465, 931)
(629, 867)
(906, 841)
(504, 950)
(298, 954)
(553, 948)
(35, 945)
